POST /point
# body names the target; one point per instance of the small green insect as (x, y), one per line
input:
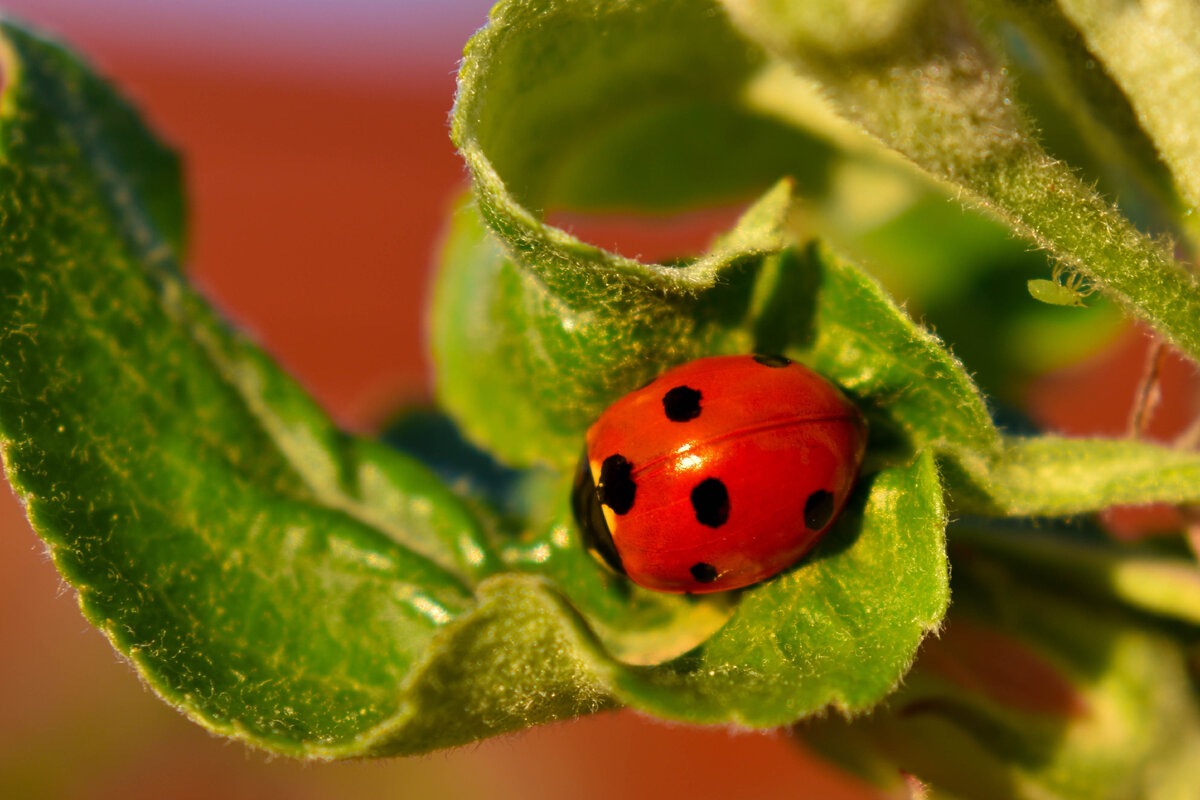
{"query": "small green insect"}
(1057, 292)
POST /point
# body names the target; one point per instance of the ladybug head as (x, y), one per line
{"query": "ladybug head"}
(586, 502)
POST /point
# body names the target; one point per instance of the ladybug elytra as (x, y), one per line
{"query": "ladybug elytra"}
(717, 474)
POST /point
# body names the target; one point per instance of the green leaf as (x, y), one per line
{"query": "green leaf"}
(864, 342)
(520, 657)
(635, 625)
(528, 354)
(319, 594)
(832, 632)
(1153, 52)
(270, 576)
(310, 592)
(1030, 692)
(966, 274)
(1054, 476)
(137, 178)
(430, 436)
(929, 87)
(839, 631)
(549, 115)
(1084, 118)
(959, 266)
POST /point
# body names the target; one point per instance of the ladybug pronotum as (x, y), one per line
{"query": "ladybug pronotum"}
(718, 474)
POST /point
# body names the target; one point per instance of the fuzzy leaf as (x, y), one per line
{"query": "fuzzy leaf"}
(1053, 476)
(491, 328)
(270, 576)
(1153, 52)
(929, 87)
(863, 341)
(966, 273)
(1084, 118)
(321, 595)
(535, 332)
(838, 631)
(521, 657)
(834, 632)
(550, 115)
(528, 356)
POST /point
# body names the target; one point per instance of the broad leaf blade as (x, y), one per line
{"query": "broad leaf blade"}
(512, 351)
(1084, 117)
(967, 274)
(535, 331)
(838, 631)
(551, 114)
(215, 527)
(137, 178)
(924, 398)
(533, 508)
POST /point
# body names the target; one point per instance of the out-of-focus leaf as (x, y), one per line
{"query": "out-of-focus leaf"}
(1031, 693)
(929, 87)
(1153, 52)
(1164, 585)
(1054, 476)
(1083, 116)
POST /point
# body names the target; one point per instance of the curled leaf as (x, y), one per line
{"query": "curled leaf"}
(1153, 52)
(940, 96)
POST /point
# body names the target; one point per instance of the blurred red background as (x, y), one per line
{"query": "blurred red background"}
(319, 170)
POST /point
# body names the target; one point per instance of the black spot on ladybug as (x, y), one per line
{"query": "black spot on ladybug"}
(585, 501)
(771, 360)
(710, 500)
(705, 573)
(682, 403)
(818, 510)
(616, 488)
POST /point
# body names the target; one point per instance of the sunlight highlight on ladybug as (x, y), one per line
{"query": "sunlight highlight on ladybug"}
(718, 474)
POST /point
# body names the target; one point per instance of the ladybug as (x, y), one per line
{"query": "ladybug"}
(717, 474)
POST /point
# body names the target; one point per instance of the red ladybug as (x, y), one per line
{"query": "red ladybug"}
(717, 474)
